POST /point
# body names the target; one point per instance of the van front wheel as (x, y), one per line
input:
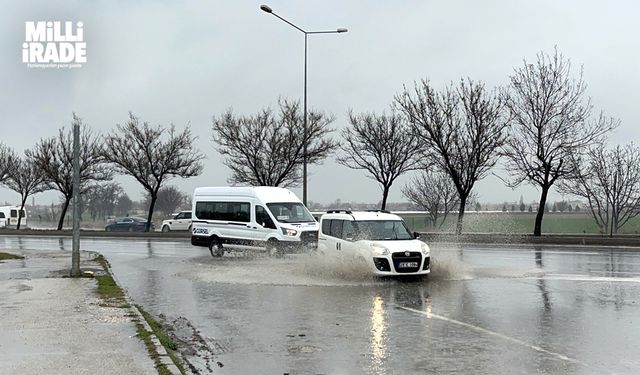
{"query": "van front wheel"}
(273, 247)
(215, 248)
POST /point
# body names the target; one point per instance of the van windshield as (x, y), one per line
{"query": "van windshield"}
(383, 230)
(290, 212)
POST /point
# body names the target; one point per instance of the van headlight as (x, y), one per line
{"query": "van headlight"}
(289, 232)
(379, 250)
(424, 248)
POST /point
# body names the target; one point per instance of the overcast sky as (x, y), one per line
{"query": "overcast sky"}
(183, 62)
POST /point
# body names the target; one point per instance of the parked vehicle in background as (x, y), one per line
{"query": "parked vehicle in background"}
(179, 221)
(269, 217)
(9, 215)
(380, 238)
(127, 224)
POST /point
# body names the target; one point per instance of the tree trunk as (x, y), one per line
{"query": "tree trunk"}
(64, 212)
(20, 212)
(154, 197)
(463, 202)
(537, 229)
(385, 194)
(614, 222)
(434, 218)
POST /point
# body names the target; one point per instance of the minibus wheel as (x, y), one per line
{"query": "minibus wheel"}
(215, 248)
(273, 247)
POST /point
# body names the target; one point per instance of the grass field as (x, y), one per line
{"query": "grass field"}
(519, 222)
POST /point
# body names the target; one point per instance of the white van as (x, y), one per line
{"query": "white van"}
(9, 216)
(264, 216)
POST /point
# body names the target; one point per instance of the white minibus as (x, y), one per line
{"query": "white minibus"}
(9, 216)
(269, 217)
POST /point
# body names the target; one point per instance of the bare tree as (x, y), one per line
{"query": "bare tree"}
(101, 199)
(26, 180)
(170, 199)
(123, 205)
(462, 127)
(267, 150)
(549, 123)
(609, 180)
(562, 206)
(54, 160)
(6, 158)
(143, 152)
(433, 192)
(382, 145)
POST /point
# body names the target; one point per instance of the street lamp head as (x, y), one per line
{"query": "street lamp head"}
(265, 8)
(342, 30)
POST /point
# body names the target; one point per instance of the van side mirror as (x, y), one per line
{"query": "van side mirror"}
(416, 235)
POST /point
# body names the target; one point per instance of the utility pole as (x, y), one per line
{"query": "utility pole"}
(305, 157)
(75, 252)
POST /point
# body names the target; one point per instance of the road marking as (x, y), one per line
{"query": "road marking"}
(569, 277)
(492, 333)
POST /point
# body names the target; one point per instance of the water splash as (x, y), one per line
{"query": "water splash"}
(310, 269)
(447, 265)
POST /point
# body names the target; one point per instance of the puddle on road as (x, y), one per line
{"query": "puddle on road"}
(307, 270)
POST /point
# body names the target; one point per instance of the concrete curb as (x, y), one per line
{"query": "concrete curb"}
(165, 359)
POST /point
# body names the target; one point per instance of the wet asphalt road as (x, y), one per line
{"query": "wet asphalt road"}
(485, 309)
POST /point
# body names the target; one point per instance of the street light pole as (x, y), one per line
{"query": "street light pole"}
(304, 126)
(267, 9)
(75, 244)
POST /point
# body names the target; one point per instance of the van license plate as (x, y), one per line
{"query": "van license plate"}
(407, 264)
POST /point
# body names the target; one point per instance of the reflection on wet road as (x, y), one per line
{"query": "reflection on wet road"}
(498, 310)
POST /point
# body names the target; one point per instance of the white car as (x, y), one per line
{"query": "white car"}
(380, 238)
(180, 221)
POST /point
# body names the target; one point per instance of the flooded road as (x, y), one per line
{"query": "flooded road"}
(484, 309)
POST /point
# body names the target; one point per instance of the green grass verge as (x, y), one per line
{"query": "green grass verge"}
(7, 256)
(108, 289)
(165, 340)
(145, 336)
(103, 262)
(112, 295)
(163, 337)
(518, 223)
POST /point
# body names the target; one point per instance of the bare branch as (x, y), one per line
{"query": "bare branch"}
(7, 156)
(54, 159)
(549, 124)
(383, 145)
(24, 178)
(461, 127)
(267, 150)
(610, 182)
(170, 199)
(433, 192)
(152, 155)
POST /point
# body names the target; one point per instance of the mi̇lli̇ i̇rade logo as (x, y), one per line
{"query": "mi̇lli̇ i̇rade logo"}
(54, 44)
